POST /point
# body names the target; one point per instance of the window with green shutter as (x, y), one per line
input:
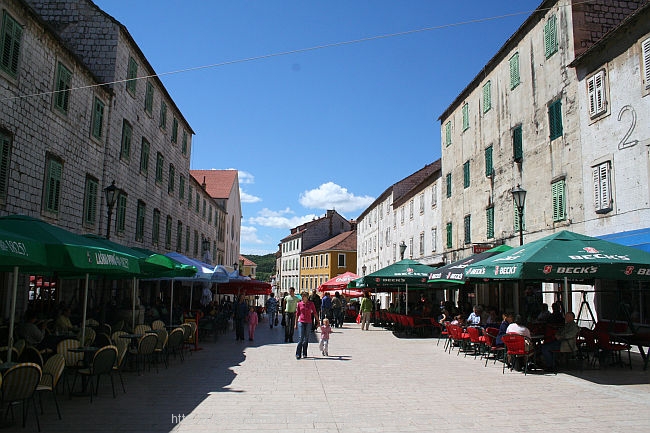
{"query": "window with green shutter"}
(189, 196)
(163, 115)
(196, 243)
(12, 33)
(170, 182)
(467, 223)
(184, 144)
(489, 167)
(127, 132)
(144, 156)
(187, 240)
(466, 174)
(174, 130)
(179, 236)
(98, 119)
(155, 227)
(62, 90)
(148, 98)
(489, 219)
(181, 187)
(514, 71)
(555, 119)
(487, 96)
(517, 144)
(131, 74)
(448, 179)
(140, 215)
(5, 155)
(450, 239)
(90, 202)
(197, 202)
(160, 161)
(168, 233)
(550, 36)
(558, 192)
(121, 213)
(448, 133)
(53, 179)
(523, 219)
(465, 116)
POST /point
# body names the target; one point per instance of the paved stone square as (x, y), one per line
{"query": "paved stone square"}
(371, 382)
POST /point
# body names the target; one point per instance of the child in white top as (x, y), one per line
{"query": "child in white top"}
(325, 332)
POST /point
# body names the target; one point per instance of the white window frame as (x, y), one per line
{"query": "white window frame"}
(602, 178)
(645, 60)
(596, 93)
(434, 238)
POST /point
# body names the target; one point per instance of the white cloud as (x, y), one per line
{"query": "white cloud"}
(282, 219)
(332, 196)
(248, 198)
(248, 235)
(245, 177)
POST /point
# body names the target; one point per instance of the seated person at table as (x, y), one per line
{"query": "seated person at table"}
(474, 318)
(508, 318)
(557, 316)
(29, 331)
(491, 318)
(518, 327)
(544, 315)
(565, 340)
(63, 324)
(458, 320)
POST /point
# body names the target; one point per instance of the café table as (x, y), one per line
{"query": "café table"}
(89, 352)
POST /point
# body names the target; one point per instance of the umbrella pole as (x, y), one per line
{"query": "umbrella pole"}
(406, 301)
(566, 295)
(133, 307)
(83, 316)
(12, 319)
(191, 293)
(171, 304)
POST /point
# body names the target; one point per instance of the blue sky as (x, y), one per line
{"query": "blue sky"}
(323, 128)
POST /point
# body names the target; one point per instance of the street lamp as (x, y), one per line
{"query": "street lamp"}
(519, 196)
(402, 249)
(110, 193)
(363, 270)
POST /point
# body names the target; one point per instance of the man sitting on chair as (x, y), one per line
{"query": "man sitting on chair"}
(565, 340)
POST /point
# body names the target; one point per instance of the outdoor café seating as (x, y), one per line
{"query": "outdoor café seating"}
(490, 335)
(52, 372)
(102, 364)
(516, 348)
(19, 386)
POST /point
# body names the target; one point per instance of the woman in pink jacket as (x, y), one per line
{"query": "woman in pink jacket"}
(304, 313)
(252, 320)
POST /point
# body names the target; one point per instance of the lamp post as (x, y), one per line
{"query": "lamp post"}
(519, 196)
(363, 270)
(110, 193)
(402, 249)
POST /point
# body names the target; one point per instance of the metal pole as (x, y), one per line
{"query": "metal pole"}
(108, 226)
(12, 320)
(521, 228)
(83, 317)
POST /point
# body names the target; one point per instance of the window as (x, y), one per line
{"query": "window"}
(487, 96)
(144, 156)
(174, 130)
(184, 144)
(422, 203)
(139, 221)
(411, 206)
(421, 244)
(121, 213)
(155, 227)
(181, 187)
(341, 260)
(645, 48)
(5, 153)
(401, 212)
(517, 144)
(410, 247)
(168, 232)
(127, 132)
(465, 116)
(523, 219)
(163, 115)
(434, 196)
(97, 128)
(448, 229)
(90, 202)
(197, 202)
(189, 197)
(448, 133)
(448, 179)
(53, 175)
(196, 243)
(204, 208)
(466, 174)
(179, 236)
(602, 187)
(467, 223)
(131, 74)
(434, 238)
(489, 217)
(170, 181)
(559, 200)
(550, 36)
(187, 240)
(489, 168)
(12, 33)
(62, 90)
(555, 119)
(514, 71)
(160, 161)
(148, 98)
(596, 94)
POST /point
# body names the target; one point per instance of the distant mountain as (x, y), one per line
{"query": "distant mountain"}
(265, 265)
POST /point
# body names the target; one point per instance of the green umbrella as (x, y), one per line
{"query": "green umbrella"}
(22, 251)
(454, 273)
(565, 255)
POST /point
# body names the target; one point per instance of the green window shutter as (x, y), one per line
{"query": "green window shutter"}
(559, 200)
(139, 222)
(12, 34)
(448, 229)
(448, 133)
(523, 218)
(550, 36)
(163, 115)
(465, 116)
(131, 74)
(555, 119)
(148, 98)
(98, 119)
(155, 227)
(517, 144)
(174, 130)
(53, 186)
(172, 175)
(448, 185)
(168, 232)
(160, 161)
(144, 156)
(179, 236)
(514, 71)
(187, 240)
(121, 213)
(487, 96)
(184, 144)
(466, 174)
(189, 196)
(467, 223)
(5, 153)
(489, 218)
(63, 86)
(489, 168)
(181, 187)
(90, 202)
(197, 202)
(127, 132)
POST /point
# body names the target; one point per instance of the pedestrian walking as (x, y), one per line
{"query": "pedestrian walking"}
(272, 310)
(305, 311)
(325, 331)
(290, 305)
(317, 303)
(365, 309)
(337, 307)
(253, 320)
(240, 314)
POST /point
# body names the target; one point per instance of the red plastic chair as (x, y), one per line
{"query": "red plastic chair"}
(608, 347)
(516, 348)
(475, 340)
(490, 335)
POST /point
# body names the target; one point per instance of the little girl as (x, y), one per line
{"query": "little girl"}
(252, 320)
(325, 332)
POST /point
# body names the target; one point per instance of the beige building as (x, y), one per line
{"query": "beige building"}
(325, 261)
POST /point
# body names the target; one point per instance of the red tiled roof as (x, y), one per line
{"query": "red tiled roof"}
(346, 241)
(218, 183)
(246, 261)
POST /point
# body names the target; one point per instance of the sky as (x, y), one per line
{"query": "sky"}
(318, 104)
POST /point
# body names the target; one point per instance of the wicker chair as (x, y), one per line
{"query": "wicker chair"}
(175, 343)
(19, 386)
(73, 361)
(158, 324)
(145, 351)
(141, 329)
(102, 364)
(52, 372)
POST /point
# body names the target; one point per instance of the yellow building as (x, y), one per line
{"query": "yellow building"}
(325, 261)
(247, 267)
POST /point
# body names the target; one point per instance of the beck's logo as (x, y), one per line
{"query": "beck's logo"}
(629, 270)
(548, 269)
(591, 250)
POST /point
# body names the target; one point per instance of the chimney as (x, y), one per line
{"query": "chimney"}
(203, 184)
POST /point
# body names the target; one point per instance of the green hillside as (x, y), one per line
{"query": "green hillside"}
(265, 265)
